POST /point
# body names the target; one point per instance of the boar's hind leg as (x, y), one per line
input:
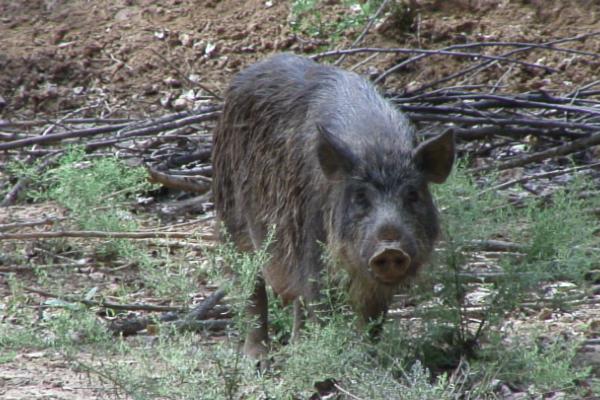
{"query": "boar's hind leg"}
(299, 318)
(256, 344)
(257, 338)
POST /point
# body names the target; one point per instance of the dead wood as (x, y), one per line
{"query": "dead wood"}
(192, 205)
(364, 32)
(197, 184)
(103, 235)
(104, 304)
(202, 309)
(194, 320)
(569, 148)
(541, 175)
(29, 224)
(496, 245)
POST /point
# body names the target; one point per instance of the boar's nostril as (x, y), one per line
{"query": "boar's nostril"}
(399, 261)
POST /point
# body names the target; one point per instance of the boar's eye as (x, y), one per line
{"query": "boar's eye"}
(361, 199)
(412, 196)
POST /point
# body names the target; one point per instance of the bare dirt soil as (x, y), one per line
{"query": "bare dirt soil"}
(128, 57)
(139, 57)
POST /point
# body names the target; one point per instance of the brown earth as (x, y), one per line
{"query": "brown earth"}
(136, 57)
(124, 57)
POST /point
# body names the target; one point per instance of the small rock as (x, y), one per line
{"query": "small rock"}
(222, 62)
(268, 45)
(91, 49)
(172, 82)
(59, 35)
(372, 72)
(188, 95)
(234, 63)
(180, 104)
(166, 100)
(238, 35)
(186, 40)
(150, 90)
(195, 78)
(210, 50)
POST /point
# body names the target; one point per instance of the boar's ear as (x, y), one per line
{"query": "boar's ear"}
(436, 156)
(335, 158)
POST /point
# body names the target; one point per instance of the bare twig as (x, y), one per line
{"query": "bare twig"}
(186, 183)
(105, 304)
(365, 31)
(28, 224)
(449, 51)
(22, 183)
(562, 150)
(200, 311)
(541, 175)
(102, 235)
(347, 393)
(184, 76)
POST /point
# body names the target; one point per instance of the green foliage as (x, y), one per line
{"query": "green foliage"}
(86, 187)
(539, 360)
(243, 270)
(561, 235)
(95, 192)
(307, 18)
(557, 240)
(71, 324)
(417, 358)
(168, 276)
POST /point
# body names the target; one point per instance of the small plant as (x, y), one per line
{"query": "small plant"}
(71, 325)
(561, 236)
(95, 192)
(306, 17)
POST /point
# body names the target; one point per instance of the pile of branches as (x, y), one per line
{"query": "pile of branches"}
(176, 147)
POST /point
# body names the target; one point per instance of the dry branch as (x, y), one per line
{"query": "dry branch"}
(562, 150)
(185, 183)
(103, 235)
(542, 175)
(190, 322)
(448, 51)
(29, 224)
(104, 304)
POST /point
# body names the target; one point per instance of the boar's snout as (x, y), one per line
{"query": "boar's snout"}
(390, 264)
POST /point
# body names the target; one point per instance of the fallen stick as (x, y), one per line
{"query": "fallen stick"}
(572, 147)
(190, 322)
(186, 183)
(28, 224)
(448, 51)
(105, 304)
(362, 35)
(549, 174)
(103, 235)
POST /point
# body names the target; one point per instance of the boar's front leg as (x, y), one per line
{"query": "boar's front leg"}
(256, 344)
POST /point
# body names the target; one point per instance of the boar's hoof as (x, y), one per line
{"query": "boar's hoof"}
(389, 265)
(256, 349)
